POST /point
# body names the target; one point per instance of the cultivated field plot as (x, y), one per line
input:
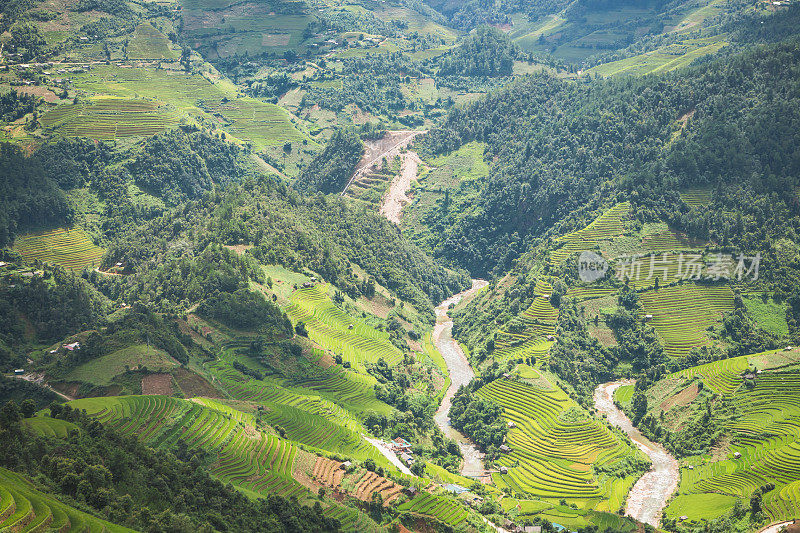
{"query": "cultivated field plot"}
(335, 330)
(149, 43)
(262, 123)
(363, 483)
(663, 59)
(351, 390)
(605, 227)
(110, 118)
(442, 508)
(765, 434)
(552, 457)
(255, 461)
(70, 248)
(537, 337)
(310, 420)
(682, 313)
(696, 198)
(24, 508)
(50, 427)
(370, 187)
(221, 28)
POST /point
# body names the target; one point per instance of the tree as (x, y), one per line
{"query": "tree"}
(9, 414)
(755, 502)
(639, 406)
(28, 408)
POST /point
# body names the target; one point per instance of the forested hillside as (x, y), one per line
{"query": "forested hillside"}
(560, 147)
(238, 239)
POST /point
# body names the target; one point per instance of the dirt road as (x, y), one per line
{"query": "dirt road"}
(389, 146)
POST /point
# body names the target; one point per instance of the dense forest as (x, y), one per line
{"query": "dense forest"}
(561, 146)
(30, 198)
(330, 170)
(486, 52)
(176, 264)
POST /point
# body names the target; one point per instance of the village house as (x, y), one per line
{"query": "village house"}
(401, 445)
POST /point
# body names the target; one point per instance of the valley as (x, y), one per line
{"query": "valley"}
(399, 266)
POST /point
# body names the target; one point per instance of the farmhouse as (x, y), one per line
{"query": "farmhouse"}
(737, 455)
(504, 448)
(345, 465)
(401, 445)
(473, 500)
(511, 425)
(72, 346)
(19, 371)
(503, 470)
(407, 458)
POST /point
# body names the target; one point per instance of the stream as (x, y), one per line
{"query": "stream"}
(460, 374)
(649, 495)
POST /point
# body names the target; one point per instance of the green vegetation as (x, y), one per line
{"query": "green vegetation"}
(115, 477)
(331, 170)
(109, 118)
(70, 248)
(551, 454)
(699, 306)
(746, 408)
(487, 52)
(334, 330)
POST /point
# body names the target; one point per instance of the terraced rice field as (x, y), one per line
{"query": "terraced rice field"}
(69, 248)
(370, 187)
(723, 377)
(766, 435)
(540, 323)
(25, 509)
(110, 118)
(261, 123)
(251, 460)
(50, 427)
(554, 455)
(329, 473)
(682, 313)
(149, 43)
(335, 330)
(589, 292)
(605, 227)
(696, 198)
(310, 420)
(354, 392)
(442, 508)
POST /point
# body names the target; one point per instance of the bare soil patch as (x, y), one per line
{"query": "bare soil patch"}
(193, 385)
(685, 397)
(157, 384)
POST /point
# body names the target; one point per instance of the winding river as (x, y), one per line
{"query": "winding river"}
(460, 374)
(649, 495)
